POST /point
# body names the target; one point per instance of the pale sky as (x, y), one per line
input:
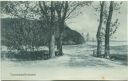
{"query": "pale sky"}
(87, 22)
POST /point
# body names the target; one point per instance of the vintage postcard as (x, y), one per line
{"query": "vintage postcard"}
(64, 40)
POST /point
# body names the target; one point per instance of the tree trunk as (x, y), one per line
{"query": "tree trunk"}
(107, 31)
(59, 41)
(98, 35)
(52, 32)
(52, 45)
(60, 32)
(99, 44)
(61, 19)
(59, 44)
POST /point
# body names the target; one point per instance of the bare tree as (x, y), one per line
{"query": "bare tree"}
(48, 13)
(61, 10)
(65, 10)
(98, 35)
(107, 31)
(111, 24)
(104, 10)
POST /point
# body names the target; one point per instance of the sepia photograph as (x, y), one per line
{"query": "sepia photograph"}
(64, 40)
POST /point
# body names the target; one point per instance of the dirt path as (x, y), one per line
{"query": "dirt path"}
(81, 56)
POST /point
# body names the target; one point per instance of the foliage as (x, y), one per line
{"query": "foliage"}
(22, 34)
(26, 34)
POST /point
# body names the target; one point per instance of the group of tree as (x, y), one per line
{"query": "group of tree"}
(51, 15)
(107, 26)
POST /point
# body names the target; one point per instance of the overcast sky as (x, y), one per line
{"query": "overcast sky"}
(87, 22)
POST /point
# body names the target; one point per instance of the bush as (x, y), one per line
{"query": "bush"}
(119, 56)
(27, 55)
